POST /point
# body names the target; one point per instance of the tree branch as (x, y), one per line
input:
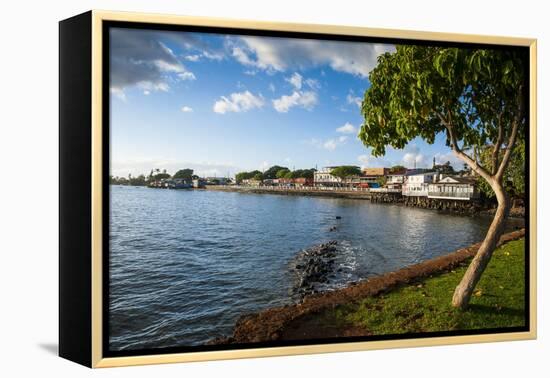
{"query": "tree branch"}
(513, 136)
(498, 144)
(461, 155)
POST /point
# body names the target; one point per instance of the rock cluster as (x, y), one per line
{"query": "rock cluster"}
(311, 268)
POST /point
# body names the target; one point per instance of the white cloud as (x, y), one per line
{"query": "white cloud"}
(330, 145)
(449, 157)
(119, 93)
(204, 54)
(306, 100)
(295, 80)
(352, 99)
(187, 76)
(186, 109)
(414, 159)
(149, 86)
(312, 83)
(213, 55)
(373, 162)
(280, 54)
(364, 159)
(146, 92)
(264, 166)
(139, 166)
(193, 58)
(238, 102)
(165, 66)
(242, 57)
(347, 128)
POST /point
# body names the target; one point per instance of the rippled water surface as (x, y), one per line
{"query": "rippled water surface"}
(184, 265)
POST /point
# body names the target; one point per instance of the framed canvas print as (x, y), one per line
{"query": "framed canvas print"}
(235, 189)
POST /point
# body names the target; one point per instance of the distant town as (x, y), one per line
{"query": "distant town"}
(441, 181)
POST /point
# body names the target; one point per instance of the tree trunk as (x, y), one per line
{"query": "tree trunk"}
(464, 290)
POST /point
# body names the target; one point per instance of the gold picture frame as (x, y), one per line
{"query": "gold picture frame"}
(94, 261)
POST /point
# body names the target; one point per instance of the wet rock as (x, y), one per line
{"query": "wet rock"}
(312, 267)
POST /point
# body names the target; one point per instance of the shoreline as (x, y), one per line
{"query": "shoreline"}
(453, 207)
(364, 195)
(474, 209)
(273, 323)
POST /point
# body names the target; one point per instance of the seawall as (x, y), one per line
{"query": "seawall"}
(365, 195)
(444, 205)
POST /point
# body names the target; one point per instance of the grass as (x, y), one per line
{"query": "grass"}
(498, 301)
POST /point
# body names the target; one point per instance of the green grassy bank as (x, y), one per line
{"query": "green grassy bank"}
(424, 306)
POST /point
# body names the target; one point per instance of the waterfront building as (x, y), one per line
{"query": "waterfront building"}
(198, 183)
(416, 184)
(367, 181)
(302, 181)
(395, 181)
(252, 182)
(216, 180)
(324, 177)
(376, 172)
(270, 182)
(454, 188)
(372, 177)
(178, 183)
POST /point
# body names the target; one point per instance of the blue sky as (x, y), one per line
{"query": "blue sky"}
(221, 104)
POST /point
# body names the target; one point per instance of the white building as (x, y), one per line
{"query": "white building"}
(323, 177)
(418, 184)
(395, 181)
(454, 188)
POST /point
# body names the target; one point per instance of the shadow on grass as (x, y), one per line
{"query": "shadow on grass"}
(489, 310)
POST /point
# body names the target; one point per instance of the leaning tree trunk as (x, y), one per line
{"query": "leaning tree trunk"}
(464, 290)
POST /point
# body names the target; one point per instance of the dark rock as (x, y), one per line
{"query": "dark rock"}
(313, 267)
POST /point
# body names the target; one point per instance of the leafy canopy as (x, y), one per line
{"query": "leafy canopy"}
(246, 175)
(186, 174)
(271, 173)
(471, 95)
(282, 172)
(345, 171)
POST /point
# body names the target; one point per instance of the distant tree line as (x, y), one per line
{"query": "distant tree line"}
(275, 172)
(154, 175)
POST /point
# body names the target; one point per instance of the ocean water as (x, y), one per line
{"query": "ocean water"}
(185, 264)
